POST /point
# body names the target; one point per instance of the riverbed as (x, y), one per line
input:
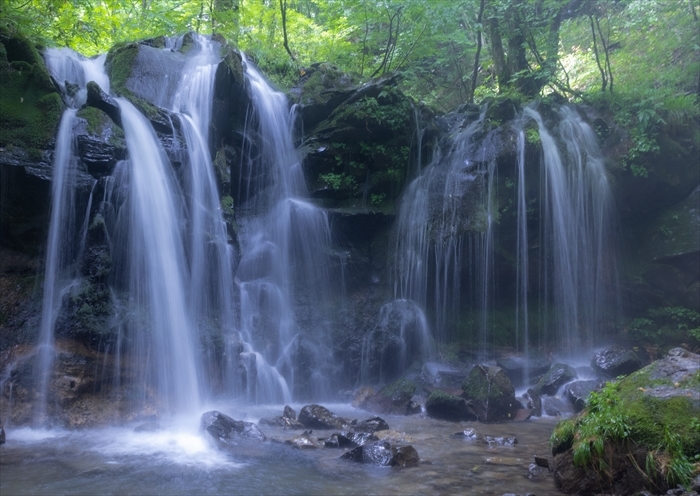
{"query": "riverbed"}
(180, 459)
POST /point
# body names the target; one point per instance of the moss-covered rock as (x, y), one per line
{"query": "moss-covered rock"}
(359, 155)
(491, 393)
(640, 433)
(30, 106)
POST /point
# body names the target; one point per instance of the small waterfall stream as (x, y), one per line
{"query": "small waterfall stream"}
(449, 223)
(282, 275)
(72, 73)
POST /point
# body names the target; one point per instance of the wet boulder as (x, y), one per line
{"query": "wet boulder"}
(394, 399)
(578, 392)
(533, 401)
(614, 362)
(339, 440)
(446, 406)
(288, 419)
(556, 377)
(305, 441)
(320, 417)
(491, 393)
(384, 454)
(225, 430)
(363, 432)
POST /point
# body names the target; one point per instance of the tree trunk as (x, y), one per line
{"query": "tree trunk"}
(283, 10)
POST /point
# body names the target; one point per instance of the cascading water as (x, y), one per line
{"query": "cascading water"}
(577, 218)
(157, 278)
(71, 72)
(432, 221)
(448, 222)
(282, 274)
(211, 267)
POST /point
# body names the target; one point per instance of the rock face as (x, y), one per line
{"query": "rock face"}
(445, 406)
(491, 393)
(614, 362)
(556, 377)
(383, 453)
(226, 430)
(655, 402)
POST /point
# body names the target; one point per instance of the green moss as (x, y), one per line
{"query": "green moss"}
(99, 123)
(93, 310)
(402, 388)
(29, 111)
(119, 63)
(486, 383)
(666, 427)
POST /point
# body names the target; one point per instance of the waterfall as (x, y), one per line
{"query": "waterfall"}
(577, 230)
(211, 266)
(157, 265)
(448, 232)
(431, 225)
(72, 73)
(282, 274)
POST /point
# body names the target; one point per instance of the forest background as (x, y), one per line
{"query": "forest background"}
(640, 58)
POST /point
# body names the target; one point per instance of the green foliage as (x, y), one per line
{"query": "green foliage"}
(666, 326)
(339, 181)
(604, 421)
(670, 460)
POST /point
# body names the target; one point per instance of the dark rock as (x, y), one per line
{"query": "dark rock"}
(533, 401)
(101, 142)
(2, 435)
(499, 441)
(338, 440)
(305, 441)
(226, 430)
(615, 362)
(97, 98)
(445, 406)
(288, 420)
(578, 392)
(383, 453)
(542, 461)
(517, 368)
(557, 376)
(319, 417)
(363, 432)
(289, 413)
(491, 393)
